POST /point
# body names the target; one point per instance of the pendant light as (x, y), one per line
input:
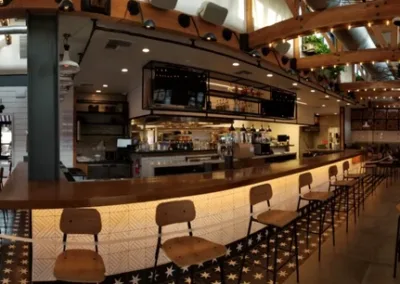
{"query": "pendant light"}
(261, 129)
(67, 66)
(269, 129)
(231, 128)
(366, 125)
(243, 129)
(252, 129)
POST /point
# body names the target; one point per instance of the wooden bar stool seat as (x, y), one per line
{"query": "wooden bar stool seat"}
(187, 250)
(277, 218)
(79, 265)
(356, 175)
(317, 196)
(345, 183)
(184, 251)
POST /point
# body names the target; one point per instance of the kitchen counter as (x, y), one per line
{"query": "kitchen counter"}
(21, 193)
(173, 153)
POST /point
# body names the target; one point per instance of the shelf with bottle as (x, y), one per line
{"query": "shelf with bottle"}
(232, 105)
(243, 97)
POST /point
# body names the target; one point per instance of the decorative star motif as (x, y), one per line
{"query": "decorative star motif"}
(214, 260)
(118, 281)
(301, 257)
(263, 245)
(259, 237)
(257, 262)
(216, 282)
(232, 262)
(307, 251)
(250, 242)
(258, 276)
(205, 275)
(200, 265)
(24, 261)
(10, 253)
(7, 270)
(279, 260)
(188, 280)
(232, 276)
(245, 282)
(11, 246)
(5, 281)
(282, 244)
(286, 231)
(9, 261)
(217, 269)
(170, 271)
(254, 251)
(228, 252)
(264, 255)
(282, 273)
(246, 269)
(23, 271)
(135, 279)
(151, 276)
(23, 281)
(25, 253)
(185, 269)
(286, 253)
(270, 267)
(25, 247)
(291, 265)
(239, 247)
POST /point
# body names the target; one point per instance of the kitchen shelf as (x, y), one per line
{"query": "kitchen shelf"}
(99, 112)
(100, 102)
(98, 134)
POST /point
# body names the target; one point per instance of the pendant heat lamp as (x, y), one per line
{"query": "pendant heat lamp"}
(67, 66)
(366, 125)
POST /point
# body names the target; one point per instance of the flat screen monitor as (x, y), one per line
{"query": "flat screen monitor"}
(123, 143)
(278, 109)
(178, 87)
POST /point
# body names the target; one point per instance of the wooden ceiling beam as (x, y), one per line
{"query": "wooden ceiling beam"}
(376, 32)
(348, 57)
(371, 85)
(355, 15)
(394, 39)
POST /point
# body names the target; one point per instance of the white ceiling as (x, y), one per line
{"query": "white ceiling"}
(102, 66)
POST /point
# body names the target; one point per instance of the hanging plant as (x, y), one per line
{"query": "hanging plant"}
(314, 45)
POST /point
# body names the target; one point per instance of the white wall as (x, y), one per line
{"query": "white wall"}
(135, 103)
(66, 129)
(15, 100)
(10, 61)
(269, 12)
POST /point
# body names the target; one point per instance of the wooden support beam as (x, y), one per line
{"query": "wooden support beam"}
(376, 32)
(394, 39)
(348, 57)
(355, 15)
(371, 85)
(377, 95)
(331, 45)
(249, 16)
(292, 7)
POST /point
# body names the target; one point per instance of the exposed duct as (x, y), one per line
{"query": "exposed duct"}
(9, 30)
(355, 39)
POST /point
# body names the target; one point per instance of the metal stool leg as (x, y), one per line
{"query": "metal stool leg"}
(347, 211)
(354, 205)
(221, 268)
(296, 251)
(246, 245)
(333, 220)
(275, 261)
(396, 253)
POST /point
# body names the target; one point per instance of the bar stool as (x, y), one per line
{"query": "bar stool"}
(343, 188)
(80, 265)
(185, 251)
(278, 220)
(397, 249)
(319, 200)
(360, 178)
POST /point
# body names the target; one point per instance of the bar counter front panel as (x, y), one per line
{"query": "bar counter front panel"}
(222, 215)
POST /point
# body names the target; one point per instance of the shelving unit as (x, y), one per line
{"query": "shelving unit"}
(379, 119)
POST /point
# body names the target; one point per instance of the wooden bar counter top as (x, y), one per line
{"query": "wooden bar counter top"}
(19, 193)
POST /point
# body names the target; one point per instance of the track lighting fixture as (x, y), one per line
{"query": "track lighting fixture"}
(209, 37)
(227, 34)
(67, 66)
(265, 51)
(254, 53)
(149, 24)
(133, 7)
(184, 20)
(4, 3)
(284, 60)
(65, 5)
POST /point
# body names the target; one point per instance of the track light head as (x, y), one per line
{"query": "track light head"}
(227, 34)
(65, 5)
(149, 24)
(4, 3)
(184, 20)
(209, 37)
(133, 7)
(265, 50)
(285, 59)
(254, 53)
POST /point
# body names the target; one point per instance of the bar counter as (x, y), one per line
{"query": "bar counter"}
(127, 208)
(20, 193)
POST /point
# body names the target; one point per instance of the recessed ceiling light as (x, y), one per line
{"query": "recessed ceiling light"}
(312, 91)
(235, 64)
(98, 91)
(124, 70)
(338, 100)
(294, 84)
(317, 114)
(270, 75)
(299, 99)
(335, 113)
(348, 104)
(327, 96)
(105, 86)
(146, 50)
(323, 105)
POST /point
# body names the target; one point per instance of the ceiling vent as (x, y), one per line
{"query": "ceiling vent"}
(23, 46)
(115, 44)
(87, 85)
(243, 72)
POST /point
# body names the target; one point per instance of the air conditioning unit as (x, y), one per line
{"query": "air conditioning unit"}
(164, 4)
(213, 13)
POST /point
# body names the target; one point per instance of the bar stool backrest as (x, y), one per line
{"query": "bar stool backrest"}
(346, 168)
(80, 222)
(175, 212)
(305, 180)
(260, 193)
(332, 172)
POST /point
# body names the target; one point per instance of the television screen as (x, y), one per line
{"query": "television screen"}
(278, 109)
(179, 87)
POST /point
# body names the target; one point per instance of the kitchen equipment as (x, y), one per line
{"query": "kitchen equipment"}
(262, 149)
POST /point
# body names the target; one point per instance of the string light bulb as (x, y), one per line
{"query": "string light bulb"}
(361, 63)
(373, 62)
(374, 89)
(369, 24)
(332, 29)
(347, 64)
(387, 61)
(387, 22)
(334, 66)
(312, 69)
(349, 27)
(322, 67)
(270, 45)
(284, 40)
